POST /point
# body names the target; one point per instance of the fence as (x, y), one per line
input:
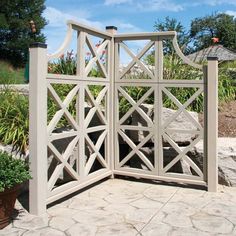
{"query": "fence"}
(100, 140)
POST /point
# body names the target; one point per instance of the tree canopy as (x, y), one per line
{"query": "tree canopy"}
(171, 24)
(218, 25)
(15, 31)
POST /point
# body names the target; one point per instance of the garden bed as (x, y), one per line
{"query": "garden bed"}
(227, 119)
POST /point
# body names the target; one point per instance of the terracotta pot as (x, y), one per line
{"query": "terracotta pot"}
(7, 203)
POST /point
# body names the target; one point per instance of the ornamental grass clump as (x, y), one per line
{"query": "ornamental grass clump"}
(14, 120)
(12, 171)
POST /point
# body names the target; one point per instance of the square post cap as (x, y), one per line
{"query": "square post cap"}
(38, 45)
(111, 27)
(212, 58)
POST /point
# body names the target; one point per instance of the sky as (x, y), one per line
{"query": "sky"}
(127, 15)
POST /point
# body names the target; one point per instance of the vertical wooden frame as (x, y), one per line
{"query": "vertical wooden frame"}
(38, 128)
(111, 97)
(212, 123)
(81, 101)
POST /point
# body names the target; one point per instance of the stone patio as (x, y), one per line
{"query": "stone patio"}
(121, 207)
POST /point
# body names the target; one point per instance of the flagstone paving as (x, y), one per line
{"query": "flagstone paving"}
(124, 207)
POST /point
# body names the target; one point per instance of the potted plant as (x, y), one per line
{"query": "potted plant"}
(13, 172)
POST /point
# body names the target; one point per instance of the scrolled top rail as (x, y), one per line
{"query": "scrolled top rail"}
(182, 56)
(72, 25)
(65, 43)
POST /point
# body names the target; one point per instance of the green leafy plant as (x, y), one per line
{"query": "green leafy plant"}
(12, 171)
(14, 119)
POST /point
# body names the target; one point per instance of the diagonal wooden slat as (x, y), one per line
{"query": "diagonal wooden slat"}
(182, 107)
(132, 63)
(89, 163)
(92, 158)
(96, 55)
(138, 61)
(64, 164)
(135, 106)
(193, 165)
(181, 153)
(94, 59)
(96, 108)
(63, 106)
(135, 150)
(93, 147)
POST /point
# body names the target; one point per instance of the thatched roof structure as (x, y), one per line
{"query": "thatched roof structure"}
(218, 50)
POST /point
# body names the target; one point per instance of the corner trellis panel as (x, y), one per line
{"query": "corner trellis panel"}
(52, 164)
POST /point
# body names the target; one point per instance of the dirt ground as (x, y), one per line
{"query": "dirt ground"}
(227, 119)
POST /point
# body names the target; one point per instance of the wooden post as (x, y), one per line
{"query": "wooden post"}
(38, 128)
(212, 123)
(111, 110)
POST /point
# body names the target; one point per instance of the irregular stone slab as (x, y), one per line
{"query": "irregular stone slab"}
(61, 223)
(181, 122)
(27, 221)
(140, 215)
(145, 203)
(212, 224)
(116, 230)
(178, 208)
(123, 197)
(117, 208)
(156, 229)
(88, 203)
(160, 193)
(185, 231)
(178, 220)
(221, 208)
(82, 229)
(11, 232)
(57, 210)
(45, 232)
(97, 218)
(226, 160)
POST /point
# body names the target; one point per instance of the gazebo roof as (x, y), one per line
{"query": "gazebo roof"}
(218, 50)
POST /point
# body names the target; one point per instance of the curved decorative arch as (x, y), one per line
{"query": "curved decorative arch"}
(65, 43)
(182, 56)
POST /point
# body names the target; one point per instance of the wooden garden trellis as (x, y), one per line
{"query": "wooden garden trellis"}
(74, 160)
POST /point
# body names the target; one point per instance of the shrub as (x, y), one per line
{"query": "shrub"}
(12, 171)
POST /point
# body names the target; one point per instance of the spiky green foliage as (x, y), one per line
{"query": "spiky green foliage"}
(14, 121)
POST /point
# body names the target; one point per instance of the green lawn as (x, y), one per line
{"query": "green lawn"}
(10, 75)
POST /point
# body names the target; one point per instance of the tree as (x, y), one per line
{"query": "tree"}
(15, 32)
(171, 24)
(218, 25)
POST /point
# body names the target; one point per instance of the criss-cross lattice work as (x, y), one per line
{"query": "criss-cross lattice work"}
(138, 131)
(127, 110)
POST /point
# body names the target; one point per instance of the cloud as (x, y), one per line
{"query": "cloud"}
(57, 18)
(55, 31)
(148, 5)
(220, 2)
(160, 5)
(232, 13)
(213, 2)
(116, 2)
